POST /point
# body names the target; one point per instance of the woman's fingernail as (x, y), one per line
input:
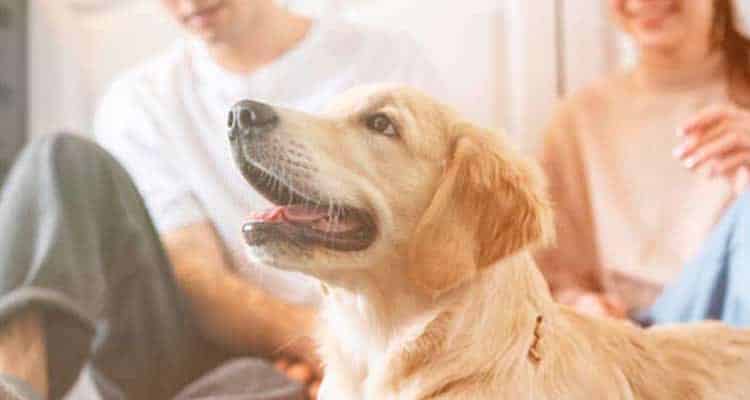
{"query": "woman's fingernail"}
(678, 151)
(689, 162)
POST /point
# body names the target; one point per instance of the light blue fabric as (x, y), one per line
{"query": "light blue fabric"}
(716, 284)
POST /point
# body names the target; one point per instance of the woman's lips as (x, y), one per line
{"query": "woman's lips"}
(655, 14)
(654, 21)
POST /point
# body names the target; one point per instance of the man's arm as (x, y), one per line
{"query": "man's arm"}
(231, 311)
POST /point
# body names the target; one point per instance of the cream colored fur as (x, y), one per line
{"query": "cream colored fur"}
(448, 303)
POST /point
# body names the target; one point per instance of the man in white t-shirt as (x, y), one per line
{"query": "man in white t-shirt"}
(102, 265)
(166, 120)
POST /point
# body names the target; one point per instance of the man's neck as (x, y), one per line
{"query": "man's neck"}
(262, 42)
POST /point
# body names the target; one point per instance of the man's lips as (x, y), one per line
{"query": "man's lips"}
(202, 16)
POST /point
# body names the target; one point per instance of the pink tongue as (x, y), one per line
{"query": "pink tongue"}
(273, 215)
(316, 219)
(303, 214)
(290, 214)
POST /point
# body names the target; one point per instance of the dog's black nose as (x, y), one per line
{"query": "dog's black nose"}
(251, 118)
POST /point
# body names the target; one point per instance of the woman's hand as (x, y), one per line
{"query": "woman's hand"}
(594, 304)
(717, 141)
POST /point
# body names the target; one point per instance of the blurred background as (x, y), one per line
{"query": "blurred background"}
(504, 62)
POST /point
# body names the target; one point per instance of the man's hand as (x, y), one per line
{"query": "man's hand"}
(231, 311)
(717, 142)
(306, 374)
(23, 352)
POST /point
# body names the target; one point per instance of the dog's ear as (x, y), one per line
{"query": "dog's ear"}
(489, 204)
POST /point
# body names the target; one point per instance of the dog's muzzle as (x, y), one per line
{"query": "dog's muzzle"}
(273, 164)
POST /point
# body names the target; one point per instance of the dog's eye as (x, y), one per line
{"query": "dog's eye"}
(382, 124)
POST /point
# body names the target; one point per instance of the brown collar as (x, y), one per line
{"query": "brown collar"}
(534, 354)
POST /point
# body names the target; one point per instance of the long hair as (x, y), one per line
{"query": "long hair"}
(736, 49)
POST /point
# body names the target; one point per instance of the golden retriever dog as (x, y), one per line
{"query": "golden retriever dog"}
(420, 227)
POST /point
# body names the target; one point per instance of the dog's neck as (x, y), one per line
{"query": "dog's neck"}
(380, 303)
(384, 314)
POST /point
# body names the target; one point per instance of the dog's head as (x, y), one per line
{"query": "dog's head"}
(386, 175)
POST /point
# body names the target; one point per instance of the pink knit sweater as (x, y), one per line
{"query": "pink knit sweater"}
(629, 214)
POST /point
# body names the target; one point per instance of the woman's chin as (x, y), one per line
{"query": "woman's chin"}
(658, 41)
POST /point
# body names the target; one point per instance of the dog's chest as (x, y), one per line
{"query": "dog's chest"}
(367, 374)
(365, 354)
(356, 369)
(345, 383)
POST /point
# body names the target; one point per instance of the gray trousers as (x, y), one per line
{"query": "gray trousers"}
(77, 243)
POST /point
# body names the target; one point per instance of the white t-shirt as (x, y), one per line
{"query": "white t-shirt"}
(166, 122)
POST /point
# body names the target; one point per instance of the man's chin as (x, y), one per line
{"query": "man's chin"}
(211, 37)
(209, 34)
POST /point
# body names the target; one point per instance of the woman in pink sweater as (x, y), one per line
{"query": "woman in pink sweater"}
(648, 168)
